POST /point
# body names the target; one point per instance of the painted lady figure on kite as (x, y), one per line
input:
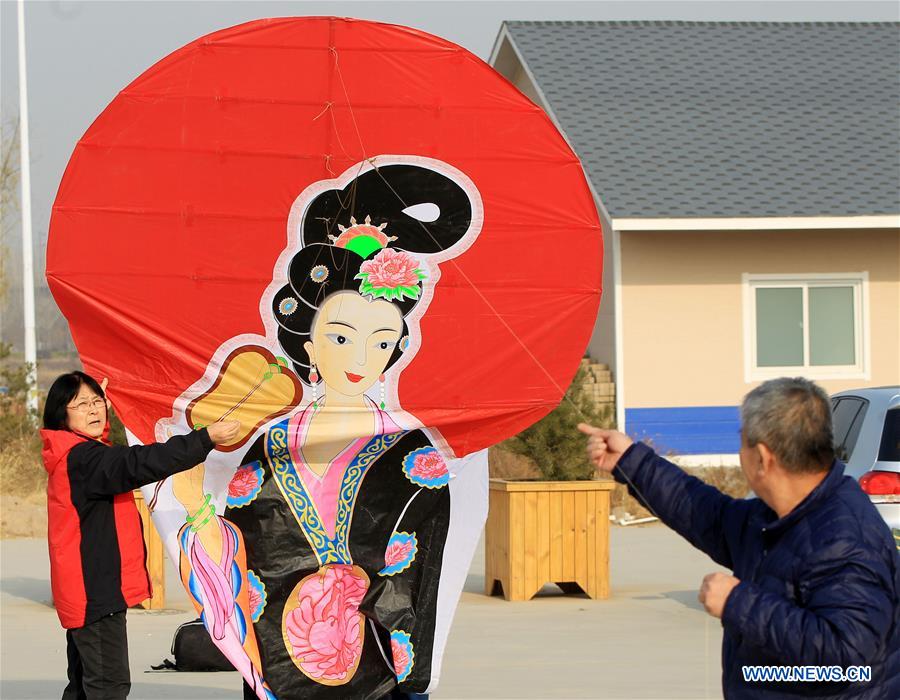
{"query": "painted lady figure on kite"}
(335, 507)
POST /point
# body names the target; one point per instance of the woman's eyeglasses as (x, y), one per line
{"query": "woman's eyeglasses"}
(85, 406)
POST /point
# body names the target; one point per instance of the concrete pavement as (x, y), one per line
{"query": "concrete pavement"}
(651, 639)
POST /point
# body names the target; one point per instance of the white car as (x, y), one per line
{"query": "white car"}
(867, 440)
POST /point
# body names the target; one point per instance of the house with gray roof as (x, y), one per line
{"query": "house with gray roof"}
(748, 180)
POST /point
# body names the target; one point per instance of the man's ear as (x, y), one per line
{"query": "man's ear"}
(767, 459)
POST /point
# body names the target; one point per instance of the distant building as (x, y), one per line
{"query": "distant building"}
(748, 178)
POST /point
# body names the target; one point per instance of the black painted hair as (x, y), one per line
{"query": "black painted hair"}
(62, 391)
(382, 195)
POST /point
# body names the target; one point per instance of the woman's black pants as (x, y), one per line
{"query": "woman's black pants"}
(98, 660)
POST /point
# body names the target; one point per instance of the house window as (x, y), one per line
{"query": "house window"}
(812, 325)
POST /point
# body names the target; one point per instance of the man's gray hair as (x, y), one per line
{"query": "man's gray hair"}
(792, 417)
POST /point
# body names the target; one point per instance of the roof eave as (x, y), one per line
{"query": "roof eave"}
(505, 34)
(756, 223)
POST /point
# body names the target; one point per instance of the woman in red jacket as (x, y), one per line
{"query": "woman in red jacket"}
(97, 551)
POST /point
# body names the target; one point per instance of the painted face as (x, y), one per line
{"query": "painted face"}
(86, 413)
(353, 338)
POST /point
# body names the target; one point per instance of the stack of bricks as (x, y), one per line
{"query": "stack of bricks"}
(600, 385)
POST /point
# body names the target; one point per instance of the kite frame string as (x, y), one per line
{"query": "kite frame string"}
(244, 398)
(565, 396)
(462, 273)
(378, 641)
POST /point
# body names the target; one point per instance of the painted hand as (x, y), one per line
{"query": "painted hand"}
(605, 447)
(714, 591)
(187, 486)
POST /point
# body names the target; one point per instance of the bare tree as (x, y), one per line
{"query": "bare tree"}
(9, 194)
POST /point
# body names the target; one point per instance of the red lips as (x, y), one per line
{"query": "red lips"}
(353, 377)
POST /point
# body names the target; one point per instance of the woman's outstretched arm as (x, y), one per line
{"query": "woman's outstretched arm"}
(107, 471)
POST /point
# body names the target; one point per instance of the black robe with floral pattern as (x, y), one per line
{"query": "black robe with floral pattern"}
(399, 608)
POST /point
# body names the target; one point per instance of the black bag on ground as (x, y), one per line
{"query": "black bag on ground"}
(194, 650)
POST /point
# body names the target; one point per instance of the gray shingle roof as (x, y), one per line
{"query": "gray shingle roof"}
(726, 119)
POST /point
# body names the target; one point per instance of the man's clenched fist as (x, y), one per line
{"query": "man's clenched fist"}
(715, 591)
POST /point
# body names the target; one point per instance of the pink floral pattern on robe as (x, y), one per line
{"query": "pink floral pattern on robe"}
(425, 467)
(400, 553)
(325, 629)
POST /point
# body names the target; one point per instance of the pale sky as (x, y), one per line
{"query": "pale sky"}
(80, 54)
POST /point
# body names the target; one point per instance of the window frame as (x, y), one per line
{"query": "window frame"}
(854, 427)
(858, 281)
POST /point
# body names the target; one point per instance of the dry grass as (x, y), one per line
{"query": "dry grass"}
(729, 480)
(23, 485)
(509, 465)
(22, 472)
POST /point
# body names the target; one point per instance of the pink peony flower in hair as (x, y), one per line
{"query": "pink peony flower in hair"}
(392, 274)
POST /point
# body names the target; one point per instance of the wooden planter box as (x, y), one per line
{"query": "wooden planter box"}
(547, 532)
(156, 557)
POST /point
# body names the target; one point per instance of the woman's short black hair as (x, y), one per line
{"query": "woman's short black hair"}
(384, 195)
(62, 391)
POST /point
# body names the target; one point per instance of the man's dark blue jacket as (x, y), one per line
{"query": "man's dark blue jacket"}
(819, 587)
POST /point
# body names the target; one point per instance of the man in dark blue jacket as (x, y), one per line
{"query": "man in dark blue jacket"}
(816, 573)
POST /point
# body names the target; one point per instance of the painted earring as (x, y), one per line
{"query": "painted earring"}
(314, 381)
(381, 379)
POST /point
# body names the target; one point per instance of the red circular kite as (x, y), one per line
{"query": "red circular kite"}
(372, 250)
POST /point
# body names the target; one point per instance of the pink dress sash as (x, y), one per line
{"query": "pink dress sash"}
(323, 490)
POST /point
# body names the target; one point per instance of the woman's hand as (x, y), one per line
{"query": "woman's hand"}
(103, 384)
(605, 447)
(224, 431)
